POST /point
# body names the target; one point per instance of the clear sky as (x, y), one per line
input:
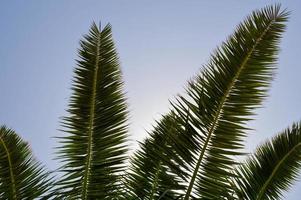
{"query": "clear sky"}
(161, 45)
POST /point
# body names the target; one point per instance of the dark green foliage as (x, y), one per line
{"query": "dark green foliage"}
(272, 168)
(94, 148)
(237, 79)
(218, 104)
(149, 178)
(191, 153)
(21, 176)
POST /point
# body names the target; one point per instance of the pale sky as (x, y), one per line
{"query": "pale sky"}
(161, 45)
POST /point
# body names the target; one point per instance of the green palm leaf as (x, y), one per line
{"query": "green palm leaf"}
(21, 176)
(217, 106)
(94, 149)
(224, 96)
(149, 176)
(272, 168)
(237, 77)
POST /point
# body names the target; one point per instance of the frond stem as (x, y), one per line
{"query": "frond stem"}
(155, 182)
(91, 125)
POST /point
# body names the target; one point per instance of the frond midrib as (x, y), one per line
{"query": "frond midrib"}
(91, 124)
(219, 110)
(264, 187)
(155, 180)
(12, 176)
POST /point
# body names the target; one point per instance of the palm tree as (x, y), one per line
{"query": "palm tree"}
(193, 152)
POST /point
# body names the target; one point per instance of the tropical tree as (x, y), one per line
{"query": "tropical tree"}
(193, 152)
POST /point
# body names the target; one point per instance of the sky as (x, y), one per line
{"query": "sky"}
(161, 45)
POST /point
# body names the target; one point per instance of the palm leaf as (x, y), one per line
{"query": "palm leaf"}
(273, 167)
(21, 176)
(149, 177)
(223, 98)
(94, 148)
(218, 104)
(237, 79)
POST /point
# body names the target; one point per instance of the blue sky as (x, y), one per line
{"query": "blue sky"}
(161, 45)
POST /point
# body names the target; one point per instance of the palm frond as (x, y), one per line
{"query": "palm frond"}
(235, 82)
(273, 167)
(149, 176)
(218, 104)
(94, 148)
(21, 176)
